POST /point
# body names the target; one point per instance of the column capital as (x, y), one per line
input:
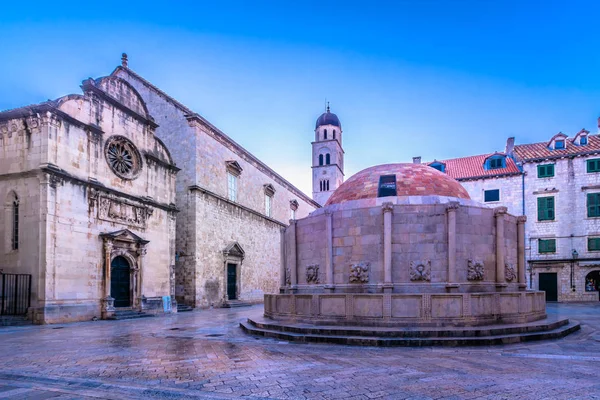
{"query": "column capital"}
(452, 206)
(499, 211)
(387, 207)
(521, 219)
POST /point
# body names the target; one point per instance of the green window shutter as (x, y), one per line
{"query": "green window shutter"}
(593, 205)
(545, 171)
(547, 246)
(593, 244)
(545, 208)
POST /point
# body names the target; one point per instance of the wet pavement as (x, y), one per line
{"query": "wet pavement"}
(204, 354)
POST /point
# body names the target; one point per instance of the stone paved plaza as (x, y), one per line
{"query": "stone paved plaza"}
(204, 354)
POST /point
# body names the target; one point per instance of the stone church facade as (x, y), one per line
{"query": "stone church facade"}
(89, 204)
(124, 199)
(233, 207)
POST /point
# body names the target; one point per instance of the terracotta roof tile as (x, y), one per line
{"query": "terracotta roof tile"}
(472, 167)
(540, 151)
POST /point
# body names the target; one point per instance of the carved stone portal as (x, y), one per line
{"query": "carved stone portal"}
(420, 270)
(509, 272)
(312, 273)
(359, 273)
(475, 270)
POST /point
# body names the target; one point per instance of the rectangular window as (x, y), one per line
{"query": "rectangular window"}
(593, 205)
(545, 171)
(232, 187)
(545, 208)
(491, 195)
(387, 186)
(593, 165)
(594, 244)
(547, 246)
(496, 163)
(268, 201)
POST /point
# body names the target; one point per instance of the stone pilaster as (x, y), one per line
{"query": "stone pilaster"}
(521, 251)
(108, 302)
(499, 213)
(388, 210)
(451, 215)
(293, 257)
(329, 286)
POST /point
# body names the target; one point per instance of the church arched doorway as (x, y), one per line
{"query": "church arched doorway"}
(592, 281)
(120, 282)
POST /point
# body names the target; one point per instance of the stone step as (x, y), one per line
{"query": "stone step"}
(555, 333)
(546, 324)
(236, 303)
(14, 320)
(184, 308)
(129, 314)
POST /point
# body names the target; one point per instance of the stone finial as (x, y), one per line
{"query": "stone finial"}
(452, 206)
(521, 219)
(387, 207)
(124, 60)
(500, 211)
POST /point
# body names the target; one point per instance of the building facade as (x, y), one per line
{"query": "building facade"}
(556, 185)
(233, 207)
(89, 210)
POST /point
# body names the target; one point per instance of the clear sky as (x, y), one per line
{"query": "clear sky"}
(435, 78)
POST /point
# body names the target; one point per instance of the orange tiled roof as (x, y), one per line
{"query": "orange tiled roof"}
(472, 167)
(540, 151)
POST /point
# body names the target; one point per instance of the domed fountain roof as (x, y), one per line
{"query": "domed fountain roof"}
(411, 180)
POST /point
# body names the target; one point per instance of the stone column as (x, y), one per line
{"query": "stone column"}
(283, 260)
(293, 257)
(329, 286)
(499, 213)
(388, 210)
(451, 212)
(521, 251)
(108, 302)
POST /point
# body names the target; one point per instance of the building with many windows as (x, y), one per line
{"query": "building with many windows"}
(556, 185)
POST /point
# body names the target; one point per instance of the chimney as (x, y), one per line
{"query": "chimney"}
(510, 146)
(417, 160)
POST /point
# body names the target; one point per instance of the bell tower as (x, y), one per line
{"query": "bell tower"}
(327, 157)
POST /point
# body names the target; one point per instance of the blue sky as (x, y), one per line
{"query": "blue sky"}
(439, 79)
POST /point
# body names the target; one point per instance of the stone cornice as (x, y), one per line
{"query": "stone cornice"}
(196, 188)
(59, 173)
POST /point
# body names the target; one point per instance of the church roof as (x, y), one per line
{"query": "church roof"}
(411, 180)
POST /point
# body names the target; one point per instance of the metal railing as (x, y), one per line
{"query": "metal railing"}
(15, 294)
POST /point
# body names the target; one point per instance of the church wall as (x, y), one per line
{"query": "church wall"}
(220, 223)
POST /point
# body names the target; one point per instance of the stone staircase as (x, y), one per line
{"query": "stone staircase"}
(184, 308)
(549, 328)
(129, 314)
(236, 304)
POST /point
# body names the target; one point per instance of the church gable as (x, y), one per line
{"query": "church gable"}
(124, 93)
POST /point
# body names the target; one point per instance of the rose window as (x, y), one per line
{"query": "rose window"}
(122, 157)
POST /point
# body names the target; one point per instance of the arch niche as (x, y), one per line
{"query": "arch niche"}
(124, 254)
(592, 281)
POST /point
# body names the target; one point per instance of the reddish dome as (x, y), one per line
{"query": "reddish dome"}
(411, 180)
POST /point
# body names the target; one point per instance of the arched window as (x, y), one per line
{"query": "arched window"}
(325, 134)
(320, 159)
(334, 134)
(327, 159)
